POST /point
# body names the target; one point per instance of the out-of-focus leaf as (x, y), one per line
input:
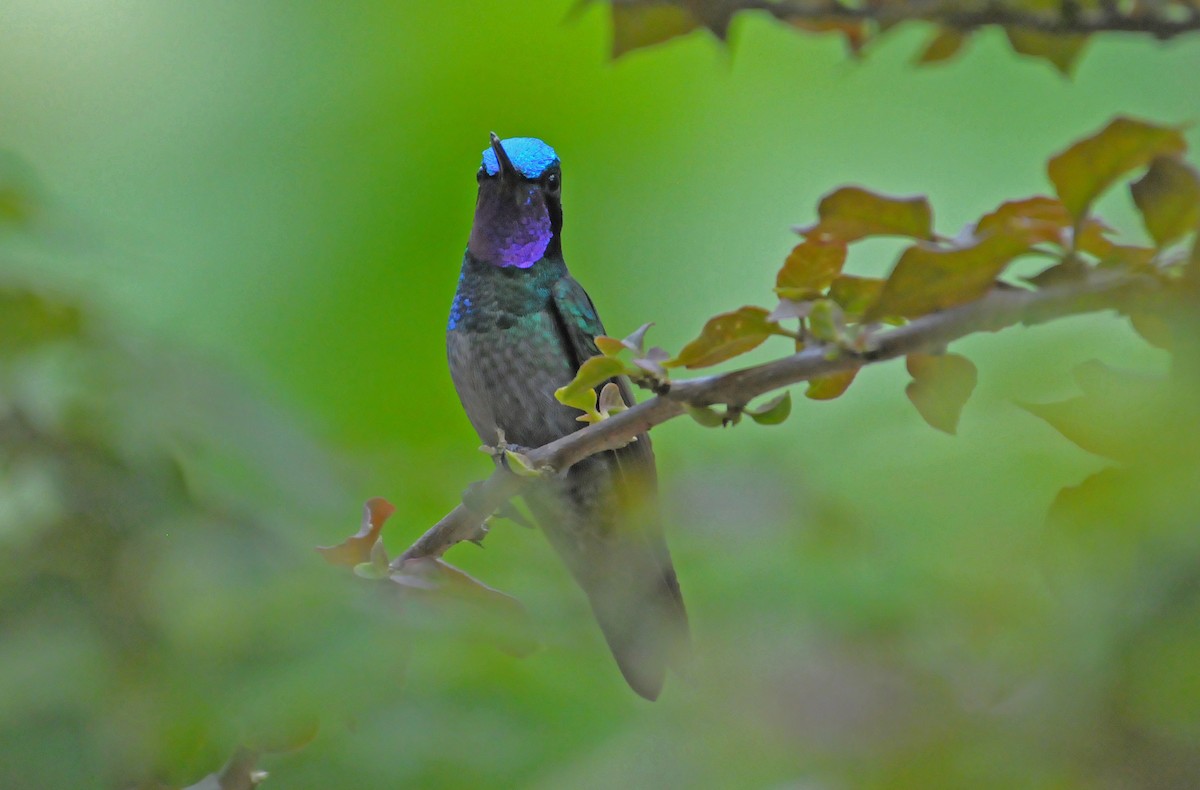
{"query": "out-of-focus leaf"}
(831, 386)
(1169, 198)
(652, 362)
(855, 294)
(644, 25)
(826, 321)
(1153, 328)
(853, 213)
(1089, 167)
(941, 385)
(706, 416)
(1039, 218)
(774, 411)
(591, 374)
(944, 45)
(357, 548)
(1060, 49)
(1114, 416)
(854, 31)
(20, 192)
(928, 278)
(726, 336)
(439, 578)
(28, 319)
(810, 268)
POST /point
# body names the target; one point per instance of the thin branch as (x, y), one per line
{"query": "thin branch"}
(1072, 20)
(1002, 307)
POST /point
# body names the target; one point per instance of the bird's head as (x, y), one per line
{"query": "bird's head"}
(518, 214)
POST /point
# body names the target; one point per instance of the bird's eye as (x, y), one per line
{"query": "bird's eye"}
(552, 182)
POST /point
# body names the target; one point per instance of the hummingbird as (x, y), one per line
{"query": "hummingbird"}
(520, 326)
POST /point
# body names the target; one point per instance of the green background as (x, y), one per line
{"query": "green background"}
(276, 196)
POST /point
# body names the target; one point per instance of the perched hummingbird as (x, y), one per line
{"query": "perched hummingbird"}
(519, 328)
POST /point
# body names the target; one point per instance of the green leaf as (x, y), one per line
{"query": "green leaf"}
(774, 411)
(519, 465)
(592, 373)
(1088, 168)
(927, 278)
(853, 213)
(1169, 198)
(855, 294)
(644, 25)
(1116, 413)
(941, 385)
(826, 321)
(726, 336)
(1060, 49)
(831, 386)
(705, 415)
(810, 268)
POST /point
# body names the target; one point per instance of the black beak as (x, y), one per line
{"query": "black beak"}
(507, 171)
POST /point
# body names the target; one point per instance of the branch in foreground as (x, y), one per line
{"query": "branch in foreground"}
(1002, 307)
(1068, 18)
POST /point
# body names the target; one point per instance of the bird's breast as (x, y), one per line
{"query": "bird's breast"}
(506, 371)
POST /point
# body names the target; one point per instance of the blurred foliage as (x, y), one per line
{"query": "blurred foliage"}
(1056, 33)
(221, 306)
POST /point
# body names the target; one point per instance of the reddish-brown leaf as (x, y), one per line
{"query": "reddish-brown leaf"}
(944, 45)
(1041, 219)
(726, 336)
(941, 385)
(831, 386)
(644, 25)
(810, 268)
(357, 548)
(928, 278)
(853, 213)
(854, 31)
(1062, 50)
(1169, 198)
(1084, 171)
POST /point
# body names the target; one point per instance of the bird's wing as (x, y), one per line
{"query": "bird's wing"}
(579, 324)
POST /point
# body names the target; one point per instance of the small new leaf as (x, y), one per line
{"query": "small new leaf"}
(1088, 168)
(1169, 198)
(774, 411)
(519, 465)
(592, 373)
(705, 415)
(941, 385)
(726, 336)
(853, 213)
(855, 294)
(611, 401)
(826, 322)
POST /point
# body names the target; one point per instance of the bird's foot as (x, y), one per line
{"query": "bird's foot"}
(513, 457)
